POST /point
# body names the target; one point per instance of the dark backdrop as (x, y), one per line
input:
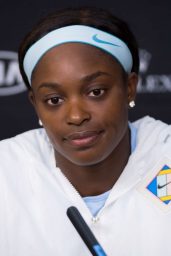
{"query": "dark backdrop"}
(150, 22)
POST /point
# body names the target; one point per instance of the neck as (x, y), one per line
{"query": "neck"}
(98, 178)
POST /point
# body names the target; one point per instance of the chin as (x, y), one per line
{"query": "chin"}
(87, 159)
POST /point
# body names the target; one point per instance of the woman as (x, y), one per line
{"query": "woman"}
(81, 70)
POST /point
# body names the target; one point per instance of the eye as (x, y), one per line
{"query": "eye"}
(97, 92)
(54, 101)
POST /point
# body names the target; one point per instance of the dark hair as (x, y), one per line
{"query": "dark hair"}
(90, 16)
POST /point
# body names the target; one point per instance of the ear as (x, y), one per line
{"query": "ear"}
(32, 98)
(132, 86)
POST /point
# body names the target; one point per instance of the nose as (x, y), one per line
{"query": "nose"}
(77, 113)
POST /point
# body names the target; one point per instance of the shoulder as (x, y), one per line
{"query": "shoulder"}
(23, 146)
(24, 140)
(152, 130)
(153, 140)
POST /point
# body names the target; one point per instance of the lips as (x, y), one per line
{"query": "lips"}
(83, 138)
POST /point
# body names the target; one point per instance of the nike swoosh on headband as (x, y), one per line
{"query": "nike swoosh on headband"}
(102, 41)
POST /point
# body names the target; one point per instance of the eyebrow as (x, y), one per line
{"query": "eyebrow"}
(86, 78)
(93, 76)
(49, 85)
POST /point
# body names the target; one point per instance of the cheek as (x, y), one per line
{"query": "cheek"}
(115, 119)
(51, 121)
(116, 125)
(55, 136)
(115, 111)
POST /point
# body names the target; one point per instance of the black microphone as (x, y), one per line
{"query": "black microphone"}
(85, 232)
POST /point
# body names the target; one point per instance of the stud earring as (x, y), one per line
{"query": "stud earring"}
(40, 123)
(132, 103)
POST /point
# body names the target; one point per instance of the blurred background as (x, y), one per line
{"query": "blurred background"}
(150, 22)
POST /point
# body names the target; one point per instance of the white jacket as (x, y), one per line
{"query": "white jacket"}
(34, 197)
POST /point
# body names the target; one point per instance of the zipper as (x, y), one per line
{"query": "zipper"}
(94, 219)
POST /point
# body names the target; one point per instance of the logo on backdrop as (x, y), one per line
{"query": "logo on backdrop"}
(151, 83)
(10, 78)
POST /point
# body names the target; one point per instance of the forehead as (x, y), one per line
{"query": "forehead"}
(75, 58)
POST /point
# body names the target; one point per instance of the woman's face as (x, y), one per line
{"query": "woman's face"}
(81, 96)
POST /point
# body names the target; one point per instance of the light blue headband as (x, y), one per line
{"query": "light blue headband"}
(78, 34)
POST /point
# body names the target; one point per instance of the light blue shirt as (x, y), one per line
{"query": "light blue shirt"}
(95, 203)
